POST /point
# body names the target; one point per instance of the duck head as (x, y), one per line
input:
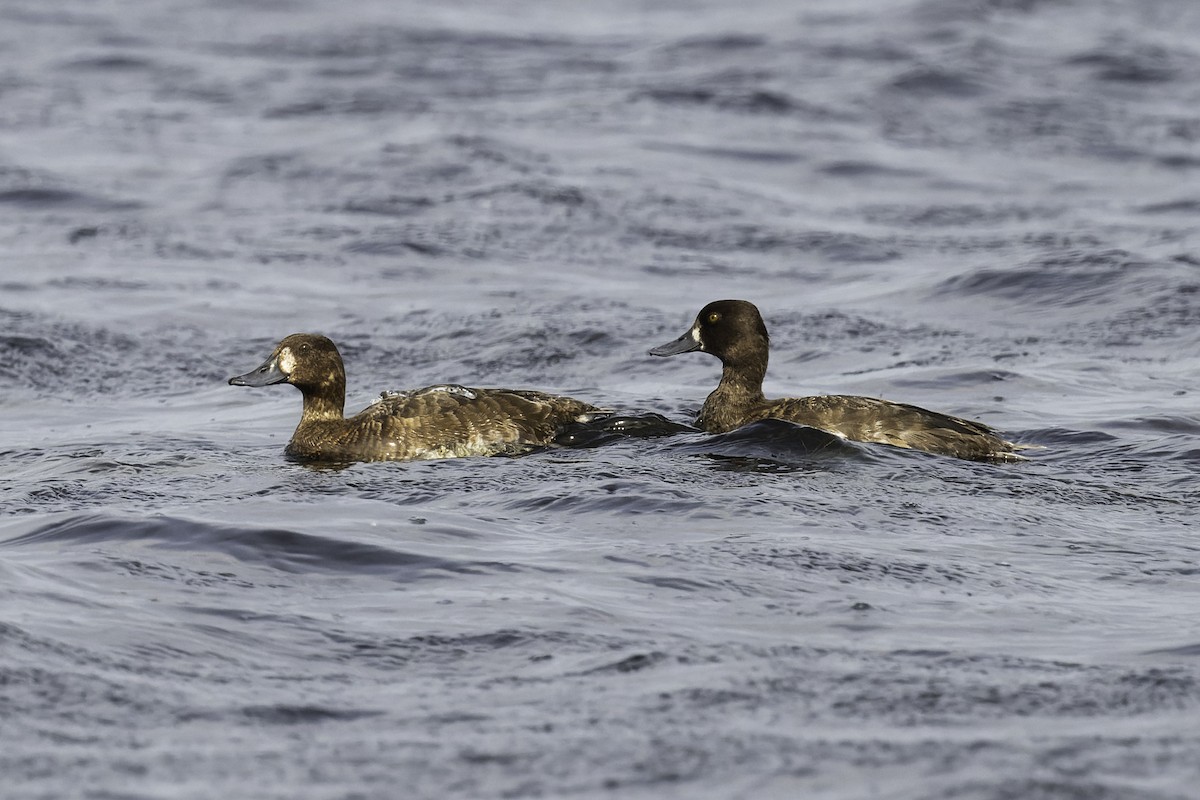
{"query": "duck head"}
(308, 361)
(731, 330)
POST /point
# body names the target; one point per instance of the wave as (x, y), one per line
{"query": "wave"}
(1073, 278)
(281, 549)
(770, 445)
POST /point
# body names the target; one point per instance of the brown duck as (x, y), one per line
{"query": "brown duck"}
(733, 331)
(443, 421)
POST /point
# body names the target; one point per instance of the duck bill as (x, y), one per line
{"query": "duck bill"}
(269, 373)
(684, 344)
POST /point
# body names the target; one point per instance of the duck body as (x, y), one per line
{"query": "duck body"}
(733, 331)
(862, 419)
(441, 421)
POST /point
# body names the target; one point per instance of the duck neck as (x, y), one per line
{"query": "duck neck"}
(740, 389)
(742, 380)
(323, 403)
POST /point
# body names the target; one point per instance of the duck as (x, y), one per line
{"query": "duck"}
(440, 421)
(734, 332)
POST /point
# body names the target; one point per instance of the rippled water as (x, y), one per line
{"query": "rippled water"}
(987, 207)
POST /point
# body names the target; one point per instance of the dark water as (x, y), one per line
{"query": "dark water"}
(989, 207)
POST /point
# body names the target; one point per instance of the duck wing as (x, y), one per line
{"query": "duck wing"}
(450, 420)
(869, 419)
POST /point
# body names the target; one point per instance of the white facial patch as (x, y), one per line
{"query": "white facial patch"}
(696, 335)
(286, 361)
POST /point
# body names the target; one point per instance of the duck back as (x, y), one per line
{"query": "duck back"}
(444, 421)
(869, 419)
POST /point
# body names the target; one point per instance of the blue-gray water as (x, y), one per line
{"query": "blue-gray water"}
(988, 207)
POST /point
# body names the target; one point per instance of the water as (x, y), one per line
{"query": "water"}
(987, 208)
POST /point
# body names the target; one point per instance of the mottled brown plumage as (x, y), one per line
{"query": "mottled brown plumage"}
(733, 331)
(444, 421)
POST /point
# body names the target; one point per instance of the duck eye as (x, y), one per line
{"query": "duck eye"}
(714, 318)
(304, 348)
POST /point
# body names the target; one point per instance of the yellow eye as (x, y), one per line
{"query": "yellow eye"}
(714, 318)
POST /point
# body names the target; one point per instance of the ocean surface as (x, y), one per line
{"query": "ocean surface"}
(986, 207)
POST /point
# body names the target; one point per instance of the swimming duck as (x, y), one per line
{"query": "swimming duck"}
(733, 331)
(444, 421)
